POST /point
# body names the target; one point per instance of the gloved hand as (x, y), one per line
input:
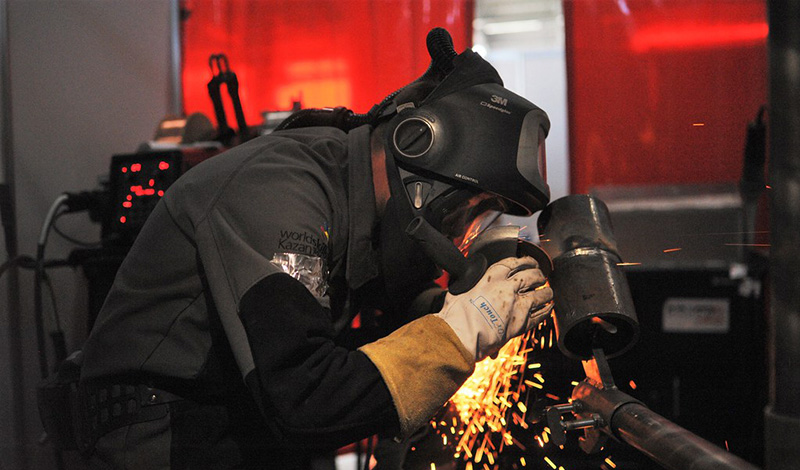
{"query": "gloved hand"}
(511, 298)
(424, 362)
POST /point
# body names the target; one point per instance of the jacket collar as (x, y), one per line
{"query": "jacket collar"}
(362, 255)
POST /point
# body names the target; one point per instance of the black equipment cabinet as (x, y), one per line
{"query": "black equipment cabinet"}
(700, 360)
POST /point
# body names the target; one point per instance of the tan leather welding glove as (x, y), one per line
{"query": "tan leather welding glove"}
(424, 362)
(512, 297)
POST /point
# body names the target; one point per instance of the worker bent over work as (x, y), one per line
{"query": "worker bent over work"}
(217, 345)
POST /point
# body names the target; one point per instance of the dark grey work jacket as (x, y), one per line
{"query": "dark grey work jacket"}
(199, 309)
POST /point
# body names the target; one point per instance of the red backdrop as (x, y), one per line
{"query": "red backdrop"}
(324, 53)
(660, 91)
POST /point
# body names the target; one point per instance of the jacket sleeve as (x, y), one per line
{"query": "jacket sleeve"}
(310, 390)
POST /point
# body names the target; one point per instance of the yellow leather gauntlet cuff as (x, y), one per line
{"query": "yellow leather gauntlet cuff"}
(423, 364)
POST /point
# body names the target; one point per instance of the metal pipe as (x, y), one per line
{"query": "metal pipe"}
(782, 416)
(176, 65)
(13, 319)
(665, 442)
(593, 304)
(669, 444)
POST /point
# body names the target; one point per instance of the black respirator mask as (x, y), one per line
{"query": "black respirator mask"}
(461, 155)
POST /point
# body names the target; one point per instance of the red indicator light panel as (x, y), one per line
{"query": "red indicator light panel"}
(137, 183)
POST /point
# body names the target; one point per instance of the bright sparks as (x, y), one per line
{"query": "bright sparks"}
(493, 411)
(496, 397)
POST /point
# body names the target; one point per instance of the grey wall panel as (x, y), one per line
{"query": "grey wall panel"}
(90, 78)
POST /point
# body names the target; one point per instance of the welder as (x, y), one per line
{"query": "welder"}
(216, 346)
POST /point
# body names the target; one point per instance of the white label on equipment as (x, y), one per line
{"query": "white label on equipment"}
(685, 315)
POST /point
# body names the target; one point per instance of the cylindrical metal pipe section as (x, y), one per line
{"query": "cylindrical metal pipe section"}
(655, 436)
(782, 417)
(593, 304)
(576, 221)
(175, 59)
(669, 444)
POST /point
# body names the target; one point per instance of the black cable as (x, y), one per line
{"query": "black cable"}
(368, 456)
(28, 262)
(56, 317)
(37, 286)
(38, 311)
(71, 239)
(23, 261)
(57, 335)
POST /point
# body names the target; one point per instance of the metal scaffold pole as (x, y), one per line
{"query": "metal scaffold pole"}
(782, 415)
(9, 219)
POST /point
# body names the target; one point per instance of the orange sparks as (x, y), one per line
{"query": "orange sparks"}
(492, 398)
(632, 384)
(485, 400)
(698, 124)
(522, 461)
(629, 264)
(726, 446)
(672, 250)
(610, 462)
(550, 462)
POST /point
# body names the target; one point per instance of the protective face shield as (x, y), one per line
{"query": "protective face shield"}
(484, 138)
(473, 216)
(458, 142)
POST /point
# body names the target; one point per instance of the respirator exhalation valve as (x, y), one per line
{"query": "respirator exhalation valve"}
(413, 137)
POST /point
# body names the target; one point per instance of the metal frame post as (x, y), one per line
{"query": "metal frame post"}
(13, 318)
(782, 415)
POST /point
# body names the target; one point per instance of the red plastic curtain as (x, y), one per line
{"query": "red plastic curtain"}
(660, 91)
(324, 53)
